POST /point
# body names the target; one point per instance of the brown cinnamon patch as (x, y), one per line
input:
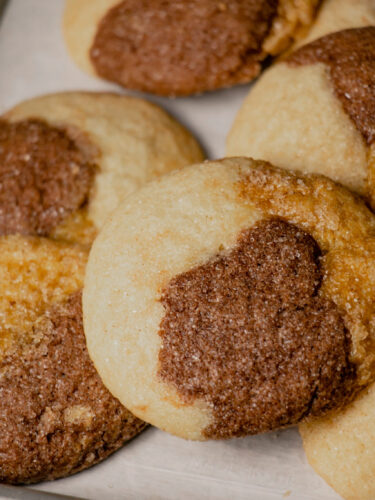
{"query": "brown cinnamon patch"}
(56, 416)
(44, 176)
(183, 47)
(350, 55)
(249, 334)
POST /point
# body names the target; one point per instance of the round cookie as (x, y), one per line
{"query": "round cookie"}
(56, 416)
(315, 112)
(234, 298)
(113, 144)
(181, 48)
(65, 162)
(340, 447)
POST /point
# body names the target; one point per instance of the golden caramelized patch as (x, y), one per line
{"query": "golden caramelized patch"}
(34, 273)
(76, 228)
(345, 231)
(291, 23)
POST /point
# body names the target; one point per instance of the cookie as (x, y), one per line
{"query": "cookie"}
(232, 298)
(337, 15)
(315, 112)
(65, 161)
(340, 447)
(97, 147)
(181, 48)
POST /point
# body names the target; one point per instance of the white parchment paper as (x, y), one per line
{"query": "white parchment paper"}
(33, 61)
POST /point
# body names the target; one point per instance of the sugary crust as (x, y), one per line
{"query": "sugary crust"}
(292, 118)
(56, 416)
(82, 19)
(174, 224)
(44, 177)
(290, 356)
(341, 447)
(34, 273)
(130, 140)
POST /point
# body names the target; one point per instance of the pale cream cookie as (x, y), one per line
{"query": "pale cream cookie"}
(232, 297)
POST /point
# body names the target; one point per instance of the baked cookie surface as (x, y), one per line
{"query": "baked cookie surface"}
(124, 140)
(337, 15)
(340, 447)
(315, 111)
(65, 161)
(238, 302)
(183, 47)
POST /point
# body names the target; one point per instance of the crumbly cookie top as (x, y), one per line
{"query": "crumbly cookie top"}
(350, 55)
(248, 333)
(44, 176)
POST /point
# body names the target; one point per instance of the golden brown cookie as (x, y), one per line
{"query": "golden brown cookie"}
(65, 162)
(184, 47)
(315, 111)
(232, 298)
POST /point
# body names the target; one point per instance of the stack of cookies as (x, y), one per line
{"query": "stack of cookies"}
(214, 299)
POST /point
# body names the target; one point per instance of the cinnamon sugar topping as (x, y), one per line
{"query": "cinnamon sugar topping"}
(44, 176)
(350, 55)
(56, 416)
(182, 47)
(249, 334)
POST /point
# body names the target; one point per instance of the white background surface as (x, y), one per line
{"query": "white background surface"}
(155, 465)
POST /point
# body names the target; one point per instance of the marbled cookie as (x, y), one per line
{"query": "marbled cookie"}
(65, 161)
(181, 47)
(315, 111)
(88, 150)
(232, 298)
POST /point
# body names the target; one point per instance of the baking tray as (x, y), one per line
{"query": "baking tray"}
(33, 61)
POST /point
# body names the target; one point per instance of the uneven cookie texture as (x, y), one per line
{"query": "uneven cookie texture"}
(56, 416)
(248, 333)
(44, 177)
(233, 283)
(182, 47)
